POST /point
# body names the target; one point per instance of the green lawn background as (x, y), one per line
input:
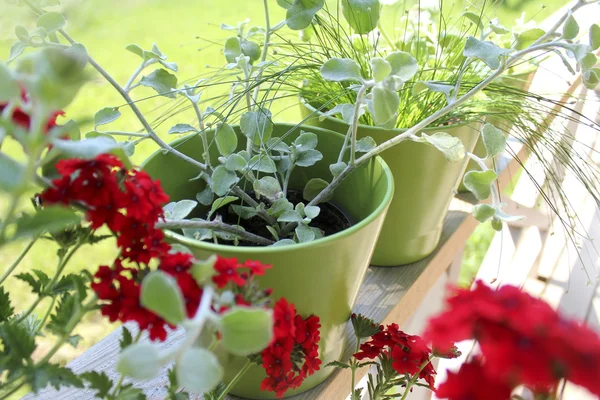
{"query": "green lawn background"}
(188, 32)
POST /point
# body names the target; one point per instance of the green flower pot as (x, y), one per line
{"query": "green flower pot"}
(520, 81)
(320, 277)
(425, 183)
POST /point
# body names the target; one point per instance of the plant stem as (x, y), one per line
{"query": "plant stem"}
(18, 260)
(135, 74)
(214, 225)
(265, 50)
(414, 379)
(12, 208)
(359, 99)
(41, 325)
(202, 133)
(235, 379)
(12, 391)
(128, 134)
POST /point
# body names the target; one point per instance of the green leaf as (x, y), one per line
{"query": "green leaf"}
(182, 209)
(486, 51)
(380, 68)
(526, 38)
(226, 139)
(483, 212)
(140, 361)
(244, 212)
(135, 49)
(129, 392)
(206, 196)
(181, 128)
(15, 51)
(497, 224)
(308, 158)
(290, 216)
(497, 28)
(198, 370)
(304, 234)
(306, 141)
(588, 62)
(38, 283)
(301, 12)
(18, 342)
(493, 140)
(276, 144)
(365, 145)
(9, 88)
(579, 50)
(341, 69)
(363, 327)
(473, 18)
(221, 202)
(313, 188)
(280, 206)
(337, 364)
(98, 381)
(6, 309)
(11, 173)
(450, 146)
(257, 125)
(267, 186)
(262, 163)
(594, 36)
(106, 115)
(246, 330)
(337, 168)
(87, 148)
(126, 338)
(162, 81)
(403, 64)
(198, 233)
(384, 106)
(49, 219)
(570, 27)
(222, 180)
(434, 87)
(591, 78)
(51, 21)
(51, 374)
(68, 306)
(478, 182)
(233, 49)
(361, 15)
(160, 294)
(283, 242)
(312, 212)
(251, 49)
(203, 271)
(235, 162)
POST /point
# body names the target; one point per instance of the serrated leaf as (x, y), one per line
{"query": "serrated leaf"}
(337, 364)
(98, 381)
(51, 21)
(198, 370)
(68, 305)
(126, 338)
(222, 180)
(450, 146)
(313, 187)
(221, 202)
(361, 15)
(181, 128)
(267, 186)
(308, 158)
(479, 182)
(341, 69)
(6, 309)
(38, 282)
(161, 294)
(403, 64)
(51, 374)
(140, 361)
(226, 139)
(570, 27)
(48, 219)
(364, 145)
(17, 341)
(246, 330)
(300, 13)
(11, 173)
(486, 51)
(363, 327)
(162, 81)
(483, 212)
(106, 115)
(594, 35)
(493, 140)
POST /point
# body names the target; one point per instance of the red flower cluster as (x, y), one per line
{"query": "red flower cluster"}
(21, 118)
(229, 270)
(295, 339)
(408, 353)
(523, 341)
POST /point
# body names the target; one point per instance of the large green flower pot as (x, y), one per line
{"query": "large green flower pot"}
(321, 277)
(425, 182)
(520, 81)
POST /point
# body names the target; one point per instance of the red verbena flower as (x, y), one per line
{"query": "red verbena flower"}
(227, 271)
(471, 382)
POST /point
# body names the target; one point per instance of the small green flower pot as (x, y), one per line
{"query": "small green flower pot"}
(521, 81)
(320, 277)
(425, 182)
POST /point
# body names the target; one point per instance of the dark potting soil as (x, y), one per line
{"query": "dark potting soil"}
(331, 219)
